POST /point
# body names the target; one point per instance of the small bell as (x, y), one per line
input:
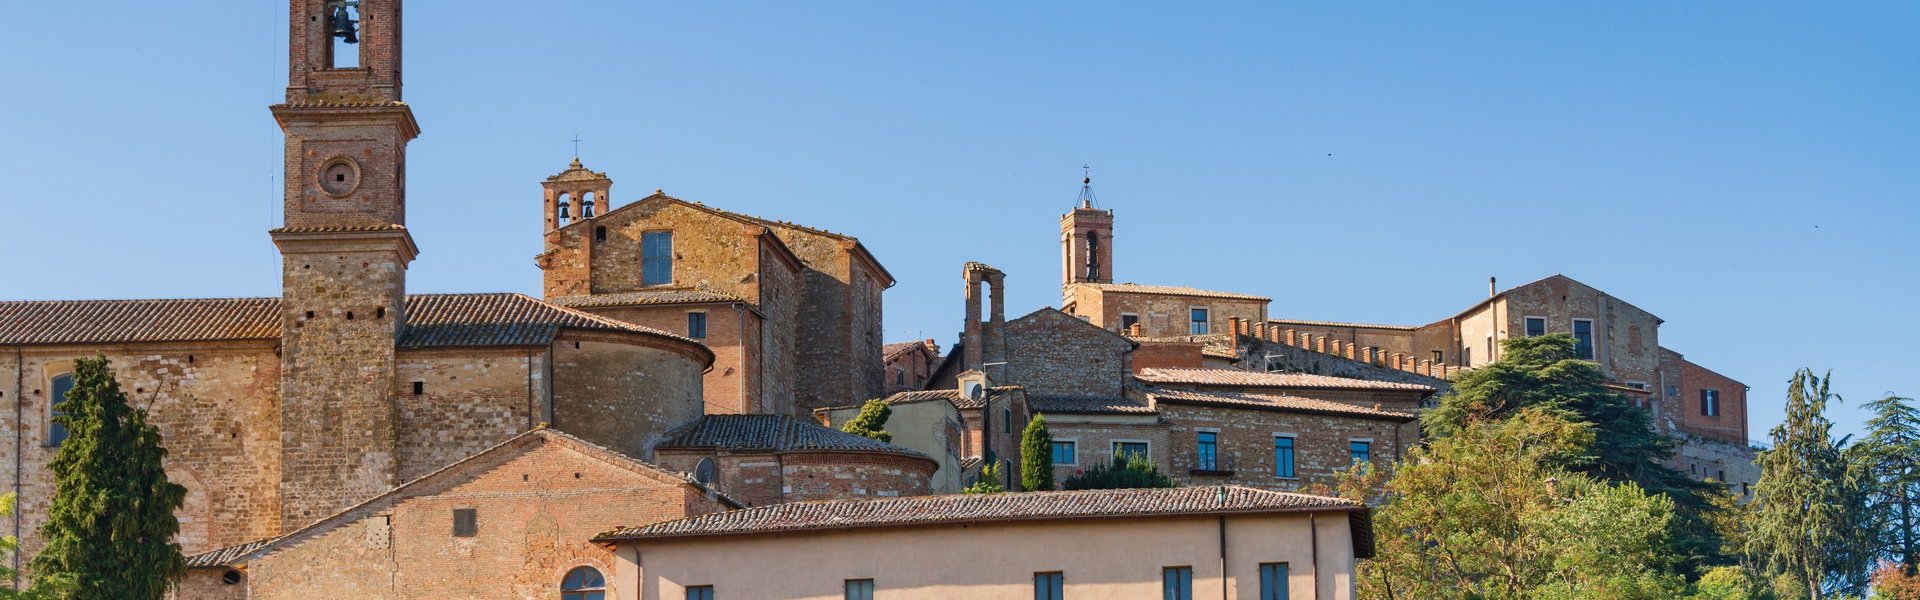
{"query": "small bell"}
(564, 214)
(343, 25)
(586, 209)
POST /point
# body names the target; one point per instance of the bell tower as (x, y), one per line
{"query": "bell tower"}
(1086, 241)
(344, 250)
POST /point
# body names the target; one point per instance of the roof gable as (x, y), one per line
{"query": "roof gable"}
(1055, 315)
(449, 477)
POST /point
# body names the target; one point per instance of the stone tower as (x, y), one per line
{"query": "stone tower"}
(1086, 243)
(576, 194)
(344, 251)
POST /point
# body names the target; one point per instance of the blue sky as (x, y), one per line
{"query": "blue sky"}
(1746, 171)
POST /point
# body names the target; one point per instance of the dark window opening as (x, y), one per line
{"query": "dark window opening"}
(309, 314)
(349, 315)
(343, 34)
(419, 387)
(1583, 339)
(380, 312)
(230, 577)
(1439, 357)
(1710, 403)
(1128, 321)
(599, 234)
(1536, 326)
(466, 522)
(697, 325)
(57, 430)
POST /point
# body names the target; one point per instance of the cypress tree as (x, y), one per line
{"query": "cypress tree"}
(871, 422)
(1808, 509)
(1891, 457)
(110, 524)
(1036, 456)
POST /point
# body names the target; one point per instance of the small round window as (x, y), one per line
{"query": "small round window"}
(340, 177)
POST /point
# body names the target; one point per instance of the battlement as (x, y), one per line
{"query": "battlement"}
(1273, 333)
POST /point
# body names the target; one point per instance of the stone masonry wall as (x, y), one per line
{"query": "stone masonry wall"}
(1054, 354)
(216, 405)
(1300, 360)
(710, 252)
(780, 296)
(1093, 438)
(1246, 444)
(751, 478)
(614, 392)
(733, 385)
(470, 400)
(535, 514)
(1163, 314)
(848, 476)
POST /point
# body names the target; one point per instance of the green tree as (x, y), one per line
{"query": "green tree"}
(871, 422)
(1542, 373)
(1128, 470)
(989, 482)
(1497, 511)
(1036, 456)
(1809, 508)
(110, 524)
(1890, 454)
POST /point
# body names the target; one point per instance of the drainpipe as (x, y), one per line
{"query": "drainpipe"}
(740, 315)
(19, 443)
(529, 389)
(1223, 551)
(1313, 529)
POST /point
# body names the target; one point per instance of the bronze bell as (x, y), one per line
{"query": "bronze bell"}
(343, 25)
(563, 212)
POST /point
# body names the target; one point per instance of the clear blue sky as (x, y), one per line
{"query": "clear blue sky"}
(1748, 172)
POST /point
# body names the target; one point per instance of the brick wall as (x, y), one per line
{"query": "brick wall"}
(1168, 355)
(650, 389)
(835, 476)
(1245, 439)
(1093, 438)
(1160, 314)
(733, 334)
(1730, 424)
(470, 400)
(535, 513)
(1053, 354)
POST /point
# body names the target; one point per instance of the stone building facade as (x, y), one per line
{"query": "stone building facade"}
(769, 459)
(773, 299)
(909, 365)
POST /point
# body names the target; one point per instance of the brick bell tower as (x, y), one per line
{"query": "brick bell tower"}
(344, 251)
(1086, 241)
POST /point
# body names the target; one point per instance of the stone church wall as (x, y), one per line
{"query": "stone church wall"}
(470, 399)
(216, 406)
(1053, 354)
(613, 391)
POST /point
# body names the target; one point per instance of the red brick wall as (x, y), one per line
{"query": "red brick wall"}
(1731, 422)
(1246, 444)
(1168, 355)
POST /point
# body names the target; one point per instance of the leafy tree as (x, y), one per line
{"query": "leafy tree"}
(1036, 455)
(1127, 471)
(110, 524)
(1891, 582)
(871, 422)
(1809, 508)
(1497, 511)
(1542, 373)
(1890, 455)
(989, 482)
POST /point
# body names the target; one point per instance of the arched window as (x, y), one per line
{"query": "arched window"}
(583, 583)
(57, 432)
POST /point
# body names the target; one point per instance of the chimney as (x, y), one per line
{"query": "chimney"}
(1493, 289)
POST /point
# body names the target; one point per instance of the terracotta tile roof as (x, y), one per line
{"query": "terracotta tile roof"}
(645, 297)
(223, 556)
(106, 321)
(1086, 406)
(1169, 290)
(776, 433)
(433, 321)
(1219, 352)
(1340, 324)
(833, 515)
(1278, 403)
(1236, 377)
(892, 350)
(951, 396)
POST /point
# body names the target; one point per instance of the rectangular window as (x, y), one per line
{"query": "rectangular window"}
(1439, 357)
(700, 592)
(57, 431)
(1176, 583)
(1127, 321)
(1006, 420)
(656, 258)
(1361, 450)
(859, 589)
(1710, 403)
(1273, 581)
(1536, 326)
(1063, 452)
(1583, 339)
(1209, 453)
(697, 325)
(1197, 321)
(1126, 448)
(1049, 586)
(1283, 456)
(466, 522)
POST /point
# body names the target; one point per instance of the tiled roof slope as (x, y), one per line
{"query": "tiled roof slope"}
(220, 558)
(776, 433)
(986, 508)
(1236, 377)
(433, 321)
(1170, 290)
(951, 396)
(1279, 403)
(645, 297)
(1086, 406)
